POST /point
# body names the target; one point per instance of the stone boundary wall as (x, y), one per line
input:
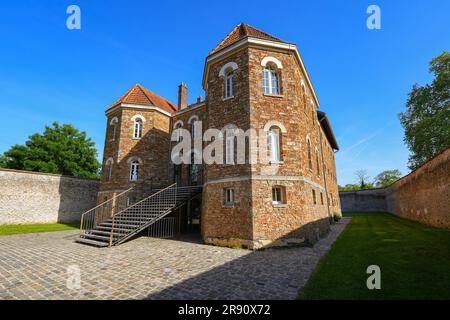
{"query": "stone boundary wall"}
(363, 200)
(32, 197)
(423, 195)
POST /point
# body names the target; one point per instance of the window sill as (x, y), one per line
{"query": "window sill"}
(230, 205)
(229, 98)
(276, 162)
(136, 138)
(273, 95)
(279, 205)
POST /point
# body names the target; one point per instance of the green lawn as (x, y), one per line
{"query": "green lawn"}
(31, 228)
(414, 260)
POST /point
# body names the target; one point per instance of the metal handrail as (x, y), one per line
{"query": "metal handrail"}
(142, 208)
(93, 210)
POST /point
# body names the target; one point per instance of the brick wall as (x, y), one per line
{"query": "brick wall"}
(423, 195)
(29, 197)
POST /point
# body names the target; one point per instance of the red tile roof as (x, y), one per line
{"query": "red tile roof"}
(142, 96)
(241, 31)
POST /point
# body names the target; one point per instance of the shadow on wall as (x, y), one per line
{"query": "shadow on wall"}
(76, 196)
(268, 273)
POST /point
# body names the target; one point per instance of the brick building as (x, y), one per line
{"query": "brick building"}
(253, 81)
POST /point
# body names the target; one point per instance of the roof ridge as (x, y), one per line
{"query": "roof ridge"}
(145, 93)
(241, 31)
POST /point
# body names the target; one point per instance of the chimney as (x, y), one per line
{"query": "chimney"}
(199, 99)
(182, 96)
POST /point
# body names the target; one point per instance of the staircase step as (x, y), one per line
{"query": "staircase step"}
(91, 242)
(95, 237)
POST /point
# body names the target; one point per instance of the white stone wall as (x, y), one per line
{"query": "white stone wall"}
(29, 197)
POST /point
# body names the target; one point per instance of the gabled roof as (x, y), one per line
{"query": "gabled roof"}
(142, 96)
(241, 31)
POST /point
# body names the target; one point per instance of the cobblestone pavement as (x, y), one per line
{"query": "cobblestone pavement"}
(42, 265)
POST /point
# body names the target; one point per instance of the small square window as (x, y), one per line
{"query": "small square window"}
(278, 195)
(229, 197)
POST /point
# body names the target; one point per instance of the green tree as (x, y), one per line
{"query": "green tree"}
(60, 149)
(349, 187)
(387, 177)
(427, 117)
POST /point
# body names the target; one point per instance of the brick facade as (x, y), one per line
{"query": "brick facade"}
(253, 220)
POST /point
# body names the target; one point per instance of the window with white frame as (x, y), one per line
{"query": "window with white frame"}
(271, 80)
(229, 147)
(229, 83)
(113, 124)
(134, 170)
(138, 124)
(108, 169)
(274, 145)
(278, 195)
(177, 129)
(229, 197)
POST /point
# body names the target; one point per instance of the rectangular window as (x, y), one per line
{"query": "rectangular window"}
(321, 198)
(314, 197)
(229, 197)
(278, 195)
(274, 146)
(229, 86)
(266, 85)
(229, 149)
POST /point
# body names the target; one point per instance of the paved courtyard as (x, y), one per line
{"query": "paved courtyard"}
(46, 265)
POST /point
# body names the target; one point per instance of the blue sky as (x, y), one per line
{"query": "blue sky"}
(361, 76)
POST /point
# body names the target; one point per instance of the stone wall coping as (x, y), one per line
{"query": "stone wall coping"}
(402, 180)
(46, 174)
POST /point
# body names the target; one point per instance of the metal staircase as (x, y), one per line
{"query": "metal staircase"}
(112, 223)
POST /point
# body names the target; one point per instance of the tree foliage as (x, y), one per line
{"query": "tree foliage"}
(60, 149)
(387, 177)
(427, 117)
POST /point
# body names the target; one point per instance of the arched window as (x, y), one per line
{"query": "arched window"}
(313, 114)
(304, 98)
(134, 170)
(271, 81)
(194, 126)
(274, 144)
(229, 75)
(108, 169)
(113, 124)
(309, 154)
(178, 125)
(227, 72)
(138, 124)
(317, 162)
